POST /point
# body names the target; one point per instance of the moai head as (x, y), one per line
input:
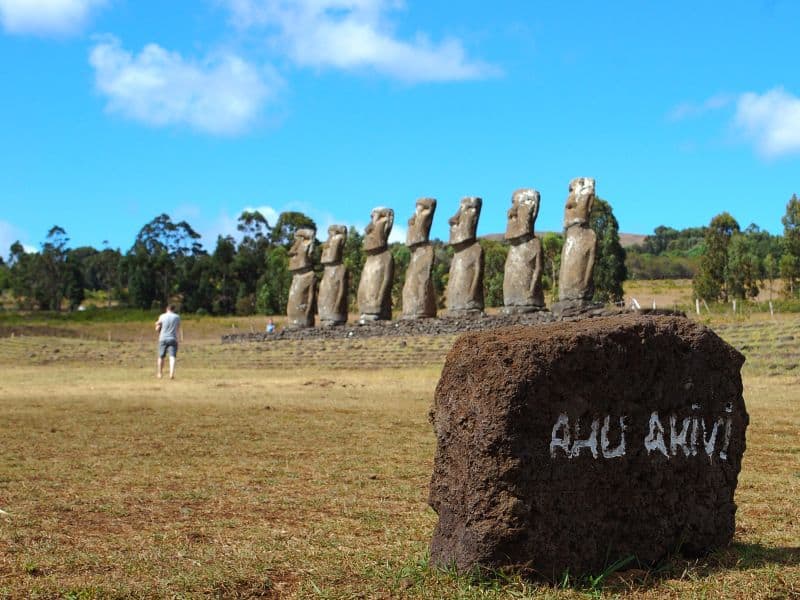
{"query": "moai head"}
(522, 214)
(579, 201)
(302, 249)
(333, 248)
(419, 225)
(464, 224)
(376, 235)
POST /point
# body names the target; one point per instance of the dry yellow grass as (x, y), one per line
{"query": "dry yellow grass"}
(240, 479)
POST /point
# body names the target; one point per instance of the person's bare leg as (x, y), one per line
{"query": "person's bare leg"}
(172, 367)
(159, 367)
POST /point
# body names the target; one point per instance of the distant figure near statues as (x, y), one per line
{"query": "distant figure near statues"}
(575, 283)
(375, 286)
(465, 284)
(419, 299)
(333, 287)
(522, 277)
(301, 305)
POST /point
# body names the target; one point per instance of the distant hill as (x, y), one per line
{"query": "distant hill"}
(626, 239)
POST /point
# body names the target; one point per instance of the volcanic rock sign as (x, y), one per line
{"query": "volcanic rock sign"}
(572, 445)
(333, 287)
(375, 285)
(465, 283)
(419, 299)
(575, 285)
(522, 277)
(301, 305)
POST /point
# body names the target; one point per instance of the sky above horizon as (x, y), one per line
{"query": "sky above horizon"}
(115, 111)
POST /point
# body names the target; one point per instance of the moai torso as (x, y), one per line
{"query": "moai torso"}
(333, 286)
(419, 298)
(375, 285)
(301, 305)
(580, 243)
(465, 282)
(522, 277)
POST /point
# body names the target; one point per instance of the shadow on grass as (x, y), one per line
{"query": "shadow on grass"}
(736, 557)
(625, 575)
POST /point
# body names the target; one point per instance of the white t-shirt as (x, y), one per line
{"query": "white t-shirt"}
(169, 326)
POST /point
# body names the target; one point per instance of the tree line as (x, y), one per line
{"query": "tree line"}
(738, 264)
(167, 263)
(723, 260)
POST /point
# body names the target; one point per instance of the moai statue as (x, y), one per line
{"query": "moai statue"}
(301, 305)
(575, 285)
(375, 286)
(465, 284)
(522, 277)
(333, 287)
(419, 299)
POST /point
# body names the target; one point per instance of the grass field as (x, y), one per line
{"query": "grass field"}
(247, 477)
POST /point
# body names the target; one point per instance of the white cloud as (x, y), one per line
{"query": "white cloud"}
(43, 17)
(222, 94)
(225, 224)
(685, 110)
(771, 121)
(398, 234)
(8, 235)
(269, 213)
(353, 35)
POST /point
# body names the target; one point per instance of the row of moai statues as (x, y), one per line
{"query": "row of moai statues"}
(522, 278)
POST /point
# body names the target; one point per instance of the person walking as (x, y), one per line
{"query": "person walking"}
(168, 327)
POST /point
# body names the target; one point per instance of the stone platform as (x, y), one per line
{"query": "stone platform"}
(435, 326)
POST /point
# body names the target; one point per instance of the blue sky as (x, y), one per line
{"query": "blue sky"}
(114, 111)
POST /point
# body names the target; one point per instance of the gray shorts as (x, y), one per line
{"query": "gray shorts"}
(167, 347)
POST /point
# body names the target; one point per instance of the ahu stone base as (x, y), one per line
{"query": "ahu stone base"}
(570, 446)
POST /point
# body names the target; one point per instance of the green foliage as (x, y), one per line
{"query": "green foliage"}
(666, 254)
(5, 276)
(790, 261)
(353, 257)
(791, 226)
(552, 243)
(140, 274)
(74, 282)
(495, 260)
(402, 256)
(289, 222)
(273, 292)
(609, 268)
(167, 263)
(162, 256)
(712, 279)
(743, 267)
(789, 267)
(641, 265)
(443, 255)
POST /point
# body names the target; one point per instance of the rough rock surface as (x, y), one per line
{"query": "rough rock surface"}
(464, 296)
(375, 286)
(332, 297)
(302, 302)
(419, 297)
(569, 446)
(522, 274)
(580, 243)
